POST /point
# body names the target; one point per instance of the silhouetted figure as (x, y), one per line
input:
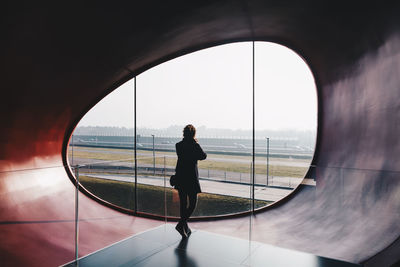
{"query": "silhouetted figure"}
(189, 152)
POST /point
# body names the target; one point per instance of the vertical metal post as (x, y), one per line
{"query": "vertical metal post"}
(135, 143)
(254, 135)
(72, 161)
(76, 212)
(251, 216)
(165, 194)
(154, 158)
(267, 161)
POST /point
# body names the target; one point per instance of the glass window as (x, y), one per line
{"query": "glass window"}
(213, 90)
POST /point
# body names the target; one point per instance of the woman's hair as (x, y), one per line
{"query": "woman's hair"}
(189, 131)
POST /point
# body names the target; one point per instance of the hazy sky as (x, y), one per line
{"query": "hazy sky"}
(213, 87)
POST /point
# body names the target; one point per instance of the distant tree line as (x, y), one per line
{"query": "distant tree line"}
(305, 137)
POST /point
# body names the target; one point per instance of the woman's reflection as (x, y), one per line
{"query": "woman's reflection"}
(181, 254)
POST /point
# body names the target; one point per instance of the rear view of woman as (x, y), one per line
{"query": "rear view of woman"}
(189, 152)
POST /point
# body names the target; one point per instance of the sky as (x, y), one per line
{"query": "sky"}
(213, 88)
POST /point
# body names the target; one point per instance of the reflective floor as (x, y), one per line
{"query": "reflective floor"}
(162, 246)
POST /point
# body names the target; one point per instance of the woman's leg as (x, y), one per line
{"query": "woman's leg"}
(183, 204)
(189, 211)
(180, 227)
(192, 205)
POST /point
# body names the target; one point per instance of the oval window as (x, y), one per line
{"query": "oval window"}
(213, 90)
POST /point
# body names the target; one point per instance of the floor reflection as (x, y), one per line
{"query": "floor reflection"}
(163, 246)
(182, 256)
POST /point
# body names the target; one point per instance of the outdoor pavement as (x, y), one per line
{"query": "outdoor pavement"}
(214, 187)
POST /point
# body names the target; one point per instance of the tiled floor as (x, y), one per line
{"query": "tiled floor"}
(162, 246)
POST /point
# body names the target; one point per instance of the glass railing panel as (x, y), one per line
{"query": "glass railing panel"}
(111, 181)
(151, 183)
(101, 156)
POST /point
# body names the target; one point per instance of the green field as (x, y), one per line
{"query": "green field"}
(211, 164)
(151, 198)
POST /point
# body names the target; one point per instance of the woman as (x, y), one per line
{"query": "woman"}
(189, 152)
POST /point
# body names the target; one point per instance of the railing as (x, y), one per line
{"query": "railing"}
(152, 183)
(111, 177)
(350, 193)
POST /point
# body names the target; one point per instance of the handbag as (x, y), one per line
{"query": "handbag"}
(173, 179)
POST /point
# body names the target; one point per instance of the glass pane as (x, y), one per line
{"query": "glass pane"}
(210, 89)
(151, 180)
(286, 120)
(102, 148)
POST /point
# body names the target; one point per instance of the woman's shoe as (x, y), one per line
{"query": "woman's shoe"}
(187, 229)
(181, 230)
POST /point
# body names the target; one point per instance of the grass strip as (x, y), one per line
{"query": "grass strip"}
(151, 198)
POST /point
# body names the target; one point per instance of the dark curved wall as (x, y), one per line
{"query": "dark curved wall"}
(59, 60)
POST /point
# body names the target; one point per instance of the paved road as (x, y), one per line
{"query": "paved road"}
(215, 187)
(217, 175)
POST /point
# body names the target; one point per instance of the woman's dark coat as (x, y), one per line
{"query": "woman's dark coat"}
(189, 152)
